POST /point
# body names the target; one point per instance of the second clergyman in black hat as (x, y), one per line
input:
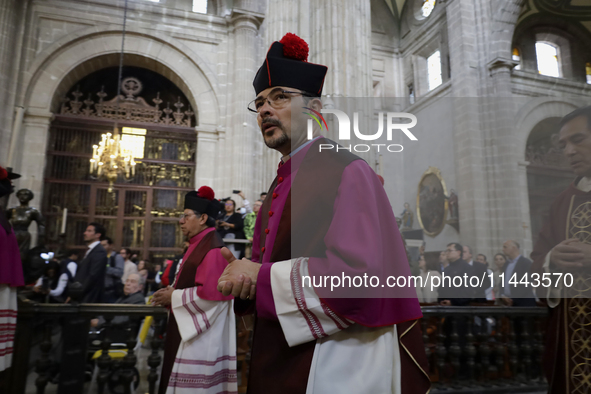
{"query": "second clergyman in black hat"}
(200, 338)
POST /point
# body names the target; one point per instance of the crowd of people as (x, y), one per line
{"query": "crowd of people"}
(238, 223)
(102, 267)
(495, 282)
(103, 272)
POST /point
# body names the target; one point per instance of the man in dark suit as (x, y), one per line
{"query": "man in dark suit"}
(518, 265)
(91, 270)
(450, 294)
(478, 270)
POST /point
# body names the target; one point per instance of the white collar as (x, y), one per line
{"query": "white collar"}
(584, 184)
(93, 245)
(299, 148)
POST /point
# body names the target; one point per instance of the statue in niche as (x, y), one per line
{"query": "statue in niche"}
(453, 205)
(21, 218)
(407, 217)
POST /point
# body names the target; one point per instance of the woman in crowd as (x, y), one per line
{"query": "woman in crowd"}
(143, 268)
(425, 292)
(230, 225)
(500, 261)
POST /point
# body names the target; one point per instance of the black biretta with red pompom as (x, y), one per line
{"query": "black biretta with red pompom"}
(203, 201)
(287, 65)
(6, 177)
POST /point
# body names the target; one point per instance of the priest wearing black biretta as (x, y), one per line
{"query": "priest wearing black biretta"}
(200, 349)
(326, 215)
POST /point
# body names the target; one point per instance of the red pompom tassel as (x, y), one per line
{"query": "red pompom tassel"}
(294, 47)
(206, 192)
(3, 174)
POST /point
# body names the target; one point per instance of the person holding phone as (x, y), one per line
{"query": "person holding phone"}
(229, 225)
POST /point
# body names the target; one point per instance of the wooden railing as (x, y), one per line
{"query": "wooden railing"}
(36, 322)
(485, 349)
(475, 349)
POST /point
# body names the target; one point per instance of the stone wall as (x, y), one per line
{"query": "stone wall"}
(12, 15)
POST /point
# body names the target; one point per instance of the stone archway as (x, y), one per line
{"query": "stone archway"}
(502, 28)
(154, 118)
(536, 114)
(60, 62)
(83, 52)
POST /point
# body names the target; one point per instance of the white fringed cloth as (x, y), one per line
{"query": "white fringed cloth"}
(7, 324)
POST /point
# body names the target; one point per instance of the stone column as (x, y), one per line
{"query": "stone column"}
(505, 170)
(469, 136)
(31, 163)
(207, 150)
(341, 39)
(12, 26)
(282, 16)
(242, 160)
(507, 174)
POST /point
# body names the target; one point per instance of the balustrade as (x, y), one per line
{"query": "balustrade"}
(36, 327)
(480, 349)
(485, 349)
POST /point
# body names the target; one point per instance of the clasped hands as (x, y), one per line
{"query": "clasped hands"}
(163, 297)
(571, 254)
(239, 277)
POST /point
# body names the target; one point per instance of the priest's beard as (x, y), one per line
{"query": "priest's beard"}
(279, 141)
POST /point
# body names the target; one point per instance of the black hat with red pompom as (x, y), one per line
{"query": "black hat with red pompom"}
(6, 177)
(287, 65)
(203, 201)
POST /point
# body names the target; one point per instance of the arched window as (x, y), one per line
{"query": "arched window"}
(588, 72)
(200, 6)
(517, 58)
(427, 8)
(434, 70)
(547, 55)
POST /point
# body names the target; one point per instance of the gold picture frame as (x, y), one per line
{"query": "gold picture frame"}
(432, 204)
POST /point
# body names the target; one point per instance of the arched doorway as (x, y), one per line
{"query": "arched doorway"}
(142, 213)
(548, 172)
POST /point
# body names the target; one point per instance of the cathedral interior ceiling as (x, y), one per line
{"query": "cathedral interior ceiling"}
(573, 10)
(579, 10)
(396, 6)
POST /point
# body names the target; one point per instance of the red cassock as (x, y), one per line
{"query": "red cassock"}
(327, 213)
(11, 276)
(568, 334)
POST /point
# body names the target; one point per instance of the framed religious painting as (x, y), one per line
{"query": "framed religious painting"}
(432, 204)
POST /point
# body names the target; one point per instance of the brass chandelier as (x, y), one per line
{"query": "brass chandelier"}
(112, 156)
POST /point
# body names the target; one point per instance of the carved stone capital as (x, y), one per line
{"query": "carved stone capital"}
(242, 19)
(36, 116)
(501, 64)
(206, 129)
